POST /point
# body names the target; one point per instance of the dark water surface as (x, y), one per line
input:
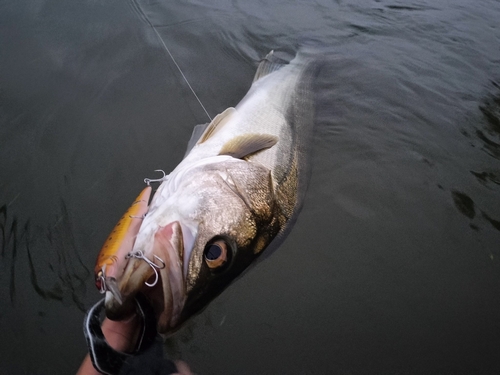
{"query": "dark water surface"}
(394, 264)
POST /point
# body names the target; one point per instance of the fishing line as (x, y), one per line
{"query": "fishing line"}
(180, 71)
(137, 6)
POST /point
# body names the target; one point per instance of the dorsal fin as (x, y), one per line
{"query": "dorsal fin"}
(195, 136)
(217, 123)
(267, 65)
(247, 144)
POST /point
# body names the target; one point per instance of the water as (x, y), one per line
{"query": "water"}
(394, 264)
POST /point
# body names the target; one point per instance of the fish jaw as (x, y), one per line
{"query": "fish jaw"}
(160, 278)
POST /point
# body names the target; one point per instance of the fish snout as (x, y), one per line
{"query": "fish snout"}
(158, 274)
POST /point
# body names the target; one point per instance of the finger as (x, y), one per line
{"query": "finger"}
(182, 368)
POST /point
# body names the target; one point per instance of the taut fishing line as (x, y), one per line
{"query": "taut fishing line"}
(137, 6)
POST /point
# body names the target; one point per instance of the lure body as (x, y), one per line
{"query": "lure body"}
(111, 260)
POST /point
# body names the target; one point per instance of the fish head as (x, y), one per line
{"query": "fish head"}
(207, 226)
(239, 219)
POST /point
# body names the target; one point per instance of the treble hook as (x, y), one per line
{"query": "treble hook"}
(148, 181)
(108, 284)
(140, 255)
(102, 280)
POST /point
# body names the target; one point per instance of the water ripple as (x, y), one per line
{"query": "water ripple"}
(54, 265)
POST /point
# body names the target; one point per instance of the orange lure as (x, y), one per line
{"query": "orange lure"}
(111, 260)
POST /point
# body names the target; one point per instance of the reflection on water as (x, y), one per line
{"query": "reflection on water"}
(10, 241)
(55, 273)
(464, 204)
(490, 136)
(486, 177)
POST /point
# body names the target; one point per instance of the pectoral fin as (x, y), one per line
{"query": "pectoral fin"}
(248, 144)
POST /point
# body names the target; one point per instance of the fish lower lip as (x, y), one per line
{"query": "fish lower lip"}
(162, 281)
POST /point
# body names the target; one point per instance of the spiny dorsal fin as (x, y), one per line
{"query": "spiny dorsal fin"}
(267, 65)
(217, 123)
(247, 144)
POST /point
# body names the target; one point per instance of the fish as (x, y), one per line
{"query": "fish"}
(234, 196)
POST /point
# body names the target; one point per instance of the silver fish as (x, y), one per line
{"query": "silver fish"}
(234, 196)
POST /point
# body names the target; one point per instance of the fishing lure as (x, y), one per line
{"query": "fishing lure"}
(113, 255)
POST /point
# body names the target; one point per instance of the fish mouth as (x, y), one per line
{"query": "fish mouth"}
(158, 274)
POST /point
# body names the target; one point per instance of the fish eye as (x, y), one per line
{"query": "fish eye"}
(216, 254)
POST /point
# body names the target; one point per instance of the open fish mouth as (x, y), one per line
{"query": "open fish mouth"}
(158, 274)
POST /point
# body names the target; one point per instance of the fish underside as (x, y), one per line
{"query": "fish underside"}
(233, 197)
